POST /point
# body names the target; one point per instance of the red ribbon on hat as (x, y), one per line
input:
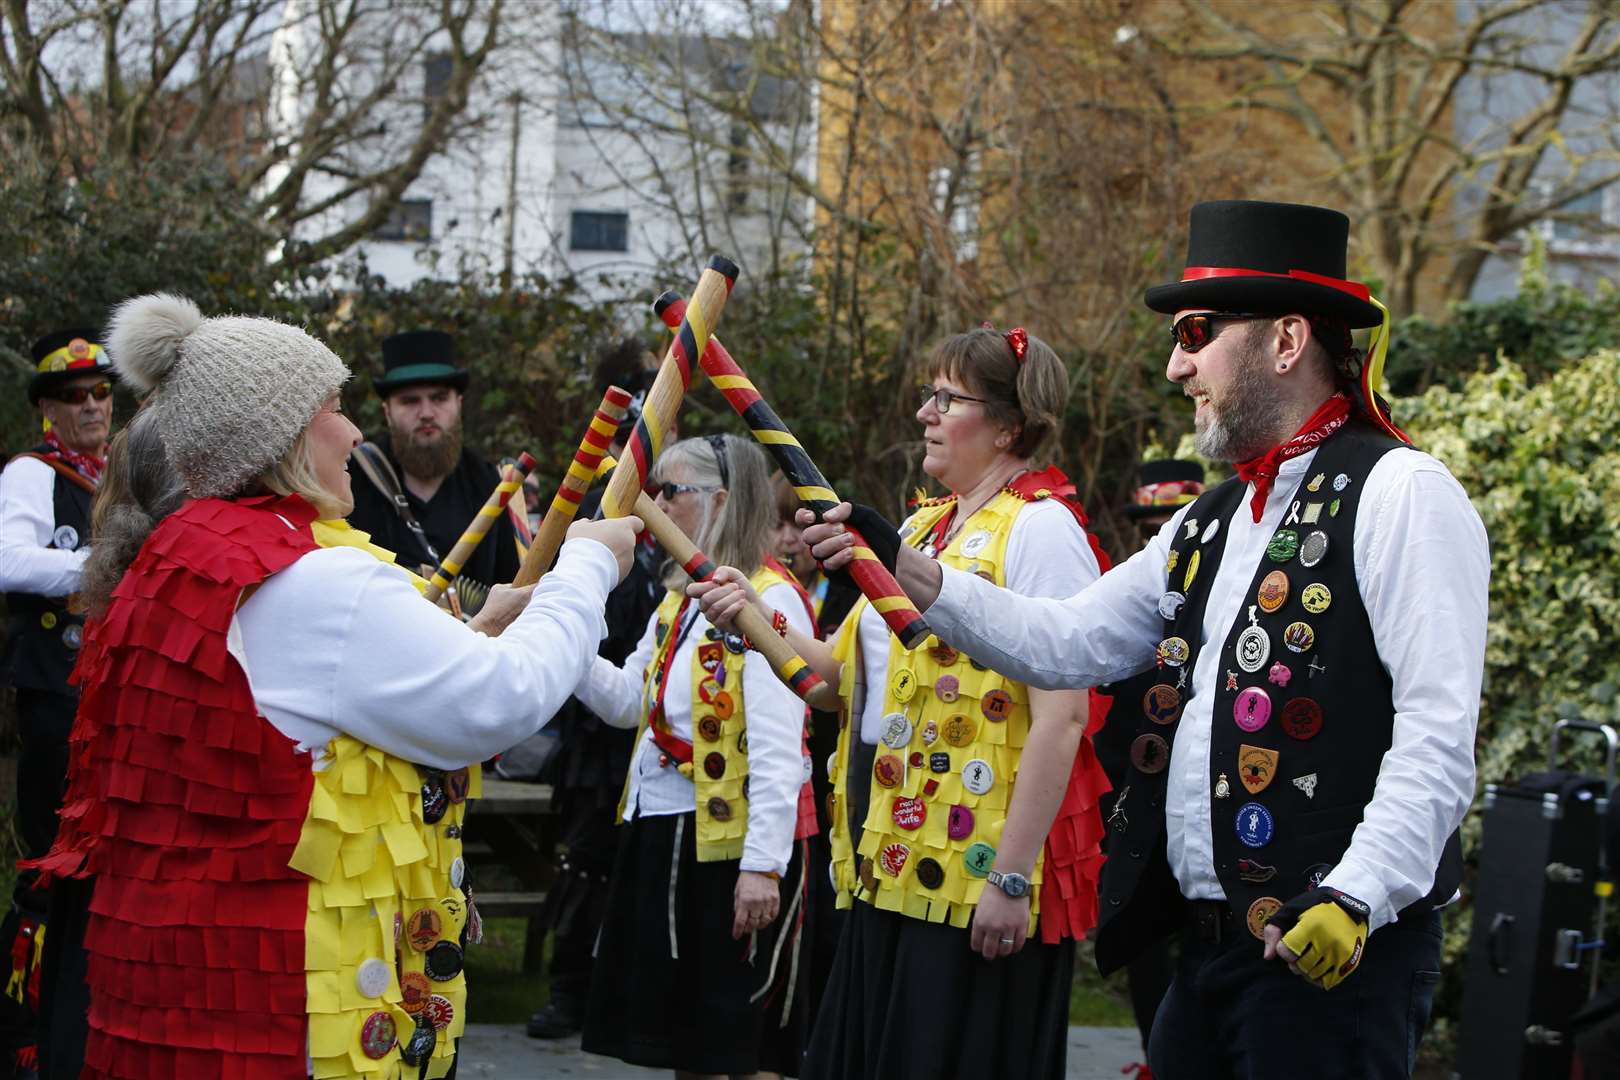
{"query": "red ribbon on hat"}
(1353, 288)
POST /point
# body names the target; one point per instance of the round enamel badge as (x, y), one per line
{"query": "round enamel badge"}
(1162, 704)
(377, 1035)
(372, 977)
(1253, 649)
(959, 823)
(1260, 913)
(996, 705)
(1252, 709)
(979, 859)
(896, 730)
(1170, 605)
(718, 808)
(1174, 651)
(1273, 591)
(1254, 825)
(887, 770)
(892, 859)
(977, 776)
(414, 991)
(909, 813)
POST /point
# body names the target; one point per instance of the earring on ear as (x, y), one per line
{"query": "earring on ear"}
(1282, 368)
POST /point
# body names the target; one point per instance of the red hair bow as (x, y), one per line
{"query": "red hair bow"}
(1017, 340)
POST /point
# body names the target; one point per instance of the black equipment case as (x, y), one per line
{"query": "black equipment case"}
(1539, 902)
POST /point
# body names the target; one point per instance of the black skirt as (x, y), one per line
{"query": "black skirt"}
(670, 988)
(909, 1000)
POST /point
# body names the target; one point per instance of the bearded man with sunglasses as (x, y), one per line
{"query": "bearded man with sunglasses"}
(45, 498)
(1300, 768)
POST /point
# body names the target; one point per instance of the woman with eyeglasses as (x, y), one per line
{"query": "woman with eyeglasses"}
(698, 966)
(965, 824)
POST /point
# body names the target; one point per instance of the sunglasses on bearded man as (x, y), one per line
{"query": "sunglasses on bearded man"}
(1193, 332)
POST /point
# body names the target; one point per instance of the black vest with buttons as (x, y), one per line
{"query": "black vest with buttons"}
(1313, 762)
(44, 633)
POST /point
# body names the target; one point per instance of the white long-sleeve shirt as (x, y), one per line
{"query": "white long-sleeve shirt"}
(1047, 555)
(27, 523)
(341, 643)
(776, 764)
(1422, 564)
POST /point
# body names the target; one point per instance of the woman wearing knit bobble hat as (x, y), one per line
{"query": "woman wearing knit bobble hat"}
(273, 750)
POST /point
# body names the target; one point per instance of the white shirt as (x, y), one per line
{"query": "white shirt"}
(27, 522)
(1422, 564)
(776, 763)
(341, 643)
(1047, 555)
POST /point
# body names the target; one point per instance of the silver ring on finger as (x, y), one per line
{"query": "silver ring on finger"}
(1006, 941)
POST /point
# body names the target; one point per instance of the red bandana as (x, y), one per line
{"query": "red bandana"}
(88, 466)
(1262, 470)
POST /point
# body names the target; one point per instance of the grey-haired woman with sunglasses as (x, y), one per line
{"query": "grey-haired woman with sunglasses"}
(698, 967)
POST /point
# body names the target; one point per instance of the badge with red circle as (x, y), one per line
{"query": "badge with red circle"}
(439, 1012)
(1301, 718)
(423, 928)
(996, 705)
(887, 770)
(378, 1035)
(414, 991)
(714, 765)
(893, 859)
(910, 813)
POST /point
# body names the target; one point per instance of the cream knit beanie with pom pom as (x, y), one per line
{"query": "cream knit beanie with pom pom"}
(232, 394)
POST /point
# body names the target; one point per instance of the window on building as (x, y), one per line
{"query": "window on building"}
(436, 71)
(596, 230)
(737, 170)
(411, 221)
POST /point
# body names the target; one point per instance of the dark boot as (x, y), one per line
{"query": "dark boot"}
(560, 1018)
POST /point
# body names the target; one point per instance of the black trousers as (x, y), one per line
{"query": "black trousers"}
(1230, 1015)
(44, 721)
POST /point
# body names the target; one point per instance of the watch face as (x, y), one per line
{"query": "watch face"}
(1014, 885)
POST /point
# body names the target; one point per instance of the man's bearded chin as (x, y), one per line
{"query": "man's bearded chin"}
(430, 457)
(1244, 424)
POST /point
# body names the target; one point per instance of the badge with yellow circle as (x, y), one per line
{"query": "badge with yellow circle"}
(1316, 598)
(1260, 913)
(958, 730)
(902, 685)
(1192, 570)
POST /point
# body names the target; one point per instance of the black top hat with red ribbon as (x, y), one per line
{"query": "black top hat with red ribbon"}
(1267, 258)
(63, 356)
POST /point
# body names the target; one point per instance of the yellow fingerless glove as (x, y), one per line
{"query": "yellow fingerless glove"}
(1327, 930)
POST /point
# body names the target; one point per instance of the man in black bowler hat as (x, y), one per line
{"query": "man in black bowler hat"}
(1317, 623)
(424, 486)
(45, 498)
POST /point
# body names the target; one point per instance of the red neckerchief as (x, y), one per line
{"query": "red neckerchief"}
(1261, 471)
(88, 466)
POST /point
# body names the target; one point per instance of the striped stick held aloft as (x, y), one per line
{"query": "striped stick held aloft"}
(575, 483)
(511, 483)
(669, 388)
(871, 576)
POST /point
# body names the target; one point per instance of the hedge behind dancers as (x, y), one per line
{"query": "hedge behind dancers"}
(271, 759)
(698, 967)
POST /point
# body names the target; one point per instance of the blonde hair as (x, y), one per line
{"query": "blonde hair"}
(295, 474)
(739, 534)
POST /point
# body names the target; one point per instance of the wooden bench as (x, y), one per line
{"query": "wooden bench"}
(514, 821)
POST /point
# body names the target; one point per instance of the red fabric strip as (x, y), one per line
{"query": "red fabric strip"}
(1352, 288)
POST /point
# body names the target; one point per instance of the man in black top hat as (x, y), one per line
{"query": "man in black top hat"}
(1317, 623)
(425, 487)
(45, 498)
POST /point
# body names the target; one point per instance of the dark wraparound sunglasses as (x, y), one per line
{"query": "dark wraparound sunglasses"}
(76, 395)
(670, 490)
(1193, 332)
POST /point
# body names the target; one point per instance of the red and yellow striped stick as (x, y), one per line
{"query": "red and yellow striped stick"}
(575, 483)
(789, 666)
(494, 506)
(871, 576)
(674, 375)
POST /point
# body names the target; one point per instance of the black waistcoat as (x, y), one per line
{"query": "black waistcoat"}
(1307, 727)
(45, 633)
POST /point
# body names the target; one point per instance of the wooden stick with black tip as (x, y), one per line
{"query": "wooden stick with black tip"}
(575, 483)
(674, 376)
(789, 666)
(868, 572)
(512, 478)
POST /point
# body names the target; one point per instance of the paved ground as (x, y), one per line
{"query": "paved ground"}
(496, 1050)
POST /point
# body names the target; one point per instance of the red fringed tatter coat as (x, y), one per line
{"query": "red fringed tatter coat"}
(187, 805)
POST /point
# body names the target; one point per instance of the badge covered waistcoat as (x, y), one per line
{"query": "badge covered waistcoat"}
(46, 631)
(1303, 711)
(943, 773)
(245, 905)
(719, 765)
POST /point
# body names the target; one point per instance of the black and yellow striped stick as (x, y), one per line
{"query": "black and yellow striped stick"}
(494, 506)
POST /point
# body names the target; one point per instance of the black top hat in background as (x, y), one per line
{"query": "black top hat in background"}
(1270, 259)
(63, 356)
(416, 357)
(1165, 486)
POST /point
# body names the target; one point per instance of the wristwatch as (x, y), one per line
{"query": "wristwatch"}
(1014, 885)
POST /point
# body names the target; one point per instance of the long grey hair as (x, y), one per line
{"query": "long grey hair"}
(738, 533)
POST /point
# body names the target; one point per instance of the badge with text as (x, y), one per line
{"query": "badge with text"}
(1252, 709)
(1257, 766)
(1162, 704)
(1254, 825)
(1273, 592)
(910, 813)
(959, 823)
(893, 859)
(1316, 598)
(1260, 913)
(1301, 718)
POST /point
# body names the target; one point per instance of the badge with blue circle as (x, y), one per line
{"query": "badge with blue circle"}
(65, 538)
(1254, 825)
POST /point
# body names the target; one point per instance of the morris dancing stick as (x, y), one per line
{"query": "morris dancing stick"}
(494, 507)
(674, 375)
(871, 576)
(575, 483)
(789, 666)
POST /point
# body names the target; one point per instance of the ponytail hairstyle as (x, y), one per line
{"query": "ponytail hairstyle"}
(138, 489)
(1024, 384)
(738, 533)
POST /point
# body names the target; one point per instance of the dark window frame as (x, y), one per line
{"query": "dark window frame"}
(599, 230)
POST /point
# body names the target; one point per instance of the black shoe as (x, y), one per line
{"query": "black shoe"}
(555, 1021)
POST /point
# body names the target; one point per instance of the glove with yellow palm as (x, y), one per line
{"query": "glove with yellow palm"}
(1324, 933)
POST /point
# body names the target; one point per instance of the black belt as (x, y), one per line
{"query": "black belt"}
(1212, 921)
